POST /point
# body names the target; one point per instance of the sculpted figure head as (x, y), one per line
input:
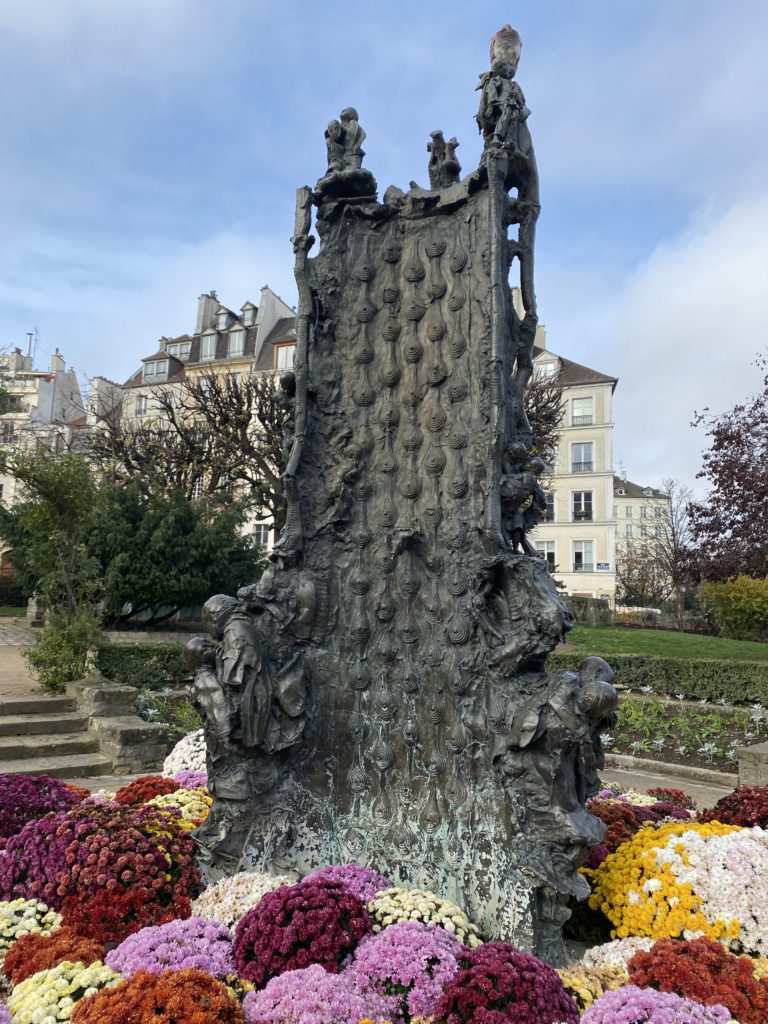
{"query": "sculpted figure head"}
(216, 612)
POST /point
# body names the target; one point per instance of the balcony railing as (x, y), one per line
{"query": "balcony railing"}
(582, 515)
(581, 421)
(583, 567)
(581, 467)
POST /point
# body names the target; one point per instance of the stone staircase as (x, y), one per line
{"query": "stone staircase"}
(90, 731)
(48, 735)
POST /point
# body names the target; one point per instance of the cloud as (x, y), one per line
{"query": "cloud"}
(684, 334)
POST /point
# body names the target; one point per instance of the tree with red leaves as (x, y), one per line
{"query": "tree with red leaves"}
(730, 528)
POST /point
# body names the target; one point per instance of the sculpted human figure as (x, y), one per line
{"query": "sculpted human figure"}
(597, 701)
(334, 145)
(436, 150)
(352, 139)
(523, 502)
(503, 111)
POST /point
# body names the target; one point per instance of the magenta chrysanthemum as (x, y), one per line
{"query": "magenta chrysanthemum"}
(408, 964)
(361, 882)
(313, 922)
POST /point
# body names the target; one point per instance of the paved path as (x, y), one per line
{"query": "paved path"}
(705, 794)
(15, 676)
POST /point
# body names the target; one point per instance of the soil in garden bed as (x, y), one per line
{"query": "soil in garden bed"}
(698, 735)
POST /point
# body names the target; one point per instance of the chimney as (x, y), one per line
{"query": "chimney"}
(57, 363)
(206, 311)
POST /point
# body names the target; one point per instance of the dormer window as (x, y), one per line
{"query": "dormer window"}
(208, 347)
(222, 319)
(648, 493)
(236, 343)
(622, 493)
(285, 356)
(179, 350)
(249, 314)
(548, 369)
(155, 371)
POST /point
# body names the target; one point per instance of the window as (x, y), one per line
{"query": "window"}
(546, 548)
(582, 506)
(643, 511)
(657, 512)
(142, 403)
(657, 532)
(548, 369)
(261, 534)
(236, 343)
(156, 370)
(615, 511)
(284, 356)
(197, 489)
(223, 320)
(644, 532)
(628, 512)
(180, 350)
(6, 430)
(581, 458)
(549, 515)
(581, 412)
(621, 492)
(628, 530)
(647, 493)
(208, 347)
(582, 556)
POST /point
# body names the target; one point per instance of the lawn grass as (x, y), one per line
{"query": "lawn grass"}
(13, 613)
(663, 643)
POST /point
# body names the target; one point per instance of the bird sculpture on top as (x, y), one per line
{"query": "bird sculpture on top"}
(506, 45)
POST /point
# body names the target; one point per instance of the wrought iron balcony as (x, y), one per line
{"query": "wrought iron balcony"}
(583, 567)
(581, 421)
(582, 514)
(581, 467)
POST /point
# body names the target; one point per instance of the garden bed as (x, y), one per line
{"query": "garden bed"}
(685, 733)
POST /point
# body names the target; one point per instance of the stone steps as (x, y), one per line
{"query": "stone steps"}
(21, 725)
(47, 735)
(72, 766)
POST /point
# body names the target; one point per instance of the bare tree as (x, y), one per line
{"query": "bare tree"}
(210, 433)
(657, 566)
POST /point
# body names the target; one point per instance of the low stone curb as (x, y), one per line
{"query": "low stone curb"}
(682, 771)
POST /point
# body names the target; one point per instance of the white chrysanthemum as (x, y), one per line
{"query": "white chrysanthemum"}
(231, 898)
(617, 953)
(189, 753)
(51, 995)
(396, 904)
(22, 917)
(729, 875)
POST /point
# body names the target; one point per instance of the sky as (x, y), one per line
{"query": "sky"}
(152, 148)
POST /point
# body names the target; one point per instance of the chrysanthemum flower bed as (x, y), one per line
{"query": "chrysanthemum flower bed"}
(684, 900)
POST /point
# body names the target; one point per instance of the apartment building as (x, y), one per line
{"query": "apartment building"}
(224, 342)
(40, 407)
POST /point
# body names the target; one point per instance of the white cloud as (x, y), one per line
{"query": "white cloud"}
(685, 332)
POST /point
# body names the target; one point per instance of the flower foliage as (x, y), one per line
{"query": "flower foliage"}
(26, 798)
(364, 883)
(174, 997)
(35, 952)
(143, 789)
(313, 922)
(21, 917)
(633, 1005)
(188, 755)
(497, 983)
(397, 904)
(705, 971)
(204, 945)
(113, 869)
(51, 995)
(231, 898)
(308, 996)
(408, 964)
(684, 879)
(747, 806)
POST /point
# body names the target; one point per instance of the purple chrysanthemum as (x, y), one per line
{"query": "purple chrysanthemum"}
(361, 882)
(178, 945)
(631, 1005)
(408, 964)
(310, 996)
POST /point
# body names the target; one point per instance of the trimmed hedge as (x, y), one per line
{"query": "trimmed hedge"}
(143, 665)
(739, 682)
